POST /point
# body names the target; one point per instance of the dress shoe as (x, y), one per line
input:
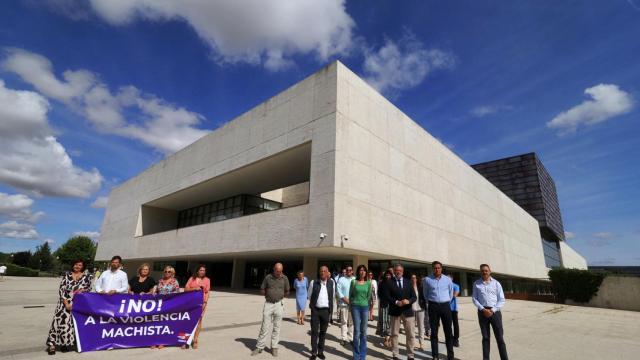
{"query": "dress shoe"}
(321, 356)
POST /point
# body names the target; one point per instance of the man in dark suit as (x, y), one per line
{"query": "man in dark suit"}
(400, 296)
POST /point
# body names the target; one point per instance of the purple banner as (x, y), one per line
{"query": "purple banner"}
(125, 321)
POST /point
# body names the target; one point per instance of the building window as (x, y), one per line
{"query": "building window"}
(229, 208)
(551, 251)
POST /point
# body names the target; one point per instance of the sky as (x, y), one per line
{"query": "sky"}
(92, 92)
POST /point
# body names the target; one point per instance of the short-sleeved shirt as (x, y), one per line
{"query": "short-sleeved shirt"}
(3, 269)
(454, 300)
(138, 287)
(274, 287)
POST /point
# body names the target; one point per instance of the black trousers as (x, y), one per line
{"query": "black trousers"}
(495, 321)
(319, 322)
(456, 326)
(440, 312)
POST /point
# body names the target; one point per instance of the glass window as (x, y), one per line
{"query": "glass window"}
(237, 200)
(229, 203)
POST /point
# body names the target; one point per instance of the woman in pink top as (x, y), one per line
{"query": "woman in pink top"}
(199, 282)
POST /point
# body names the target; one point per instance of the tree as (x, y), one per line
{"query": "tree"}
(22, 258)
(77, 247)
(42, 258)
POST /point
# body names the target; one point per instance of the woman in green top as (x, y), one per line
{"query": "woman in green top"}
(359, 297)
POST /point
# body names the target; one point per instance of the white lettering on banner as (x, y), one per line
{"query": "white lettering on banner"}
(149, 305)
(90, 320)
(136, 331)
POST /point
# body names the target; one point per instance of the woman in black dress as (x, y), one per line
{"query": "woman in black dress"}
(143, 283)
(61, 333)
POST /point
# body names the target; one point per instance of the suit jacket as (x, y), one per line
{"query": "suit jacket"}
(394, 293)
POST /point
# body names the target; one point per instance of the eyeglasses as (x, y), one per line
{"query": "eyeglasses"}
(168, 272)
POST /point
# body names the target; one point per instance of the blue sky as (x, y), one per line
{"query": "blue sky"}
(93, 92)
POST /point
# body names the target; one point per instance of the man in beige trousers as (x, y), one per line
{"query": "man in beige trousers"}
(275, 287)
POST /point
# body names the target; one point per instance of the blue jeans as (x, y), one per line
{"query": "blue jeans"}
(360, 316)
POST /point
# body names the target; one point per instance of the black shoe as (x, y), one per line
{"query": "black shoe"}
(456, 343)
(312, 357)
(64, 349)
(321, 356)
(51, 351)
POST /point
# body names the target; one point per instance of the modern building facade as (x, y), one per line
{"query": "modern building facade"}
(326, 172)
(525, 180)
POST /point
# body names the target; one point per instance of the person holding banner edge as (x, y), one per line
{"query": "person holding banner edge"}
(62, 333)
(199, 282)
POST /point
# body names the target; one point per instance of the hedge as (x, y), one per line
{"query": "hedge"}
(15, 270)
(577, 285)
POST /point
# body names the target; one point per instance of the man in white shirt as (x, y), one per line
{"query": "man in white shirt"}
(321, 302)
(488, 298)
(3, 269)
(114, 280)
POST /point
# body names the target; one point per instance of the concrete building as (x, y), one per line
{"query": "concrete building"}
(326, 172)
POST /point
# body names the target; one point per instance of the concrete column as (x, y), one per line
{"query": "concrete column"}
(310, 267)
(237, 273)
(464, 285)
(359, 260)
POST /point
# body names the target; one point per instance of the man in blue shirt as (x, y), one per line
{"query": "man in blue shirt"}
(488, 298)
(438, 291)
(454, 313)
(346, 325)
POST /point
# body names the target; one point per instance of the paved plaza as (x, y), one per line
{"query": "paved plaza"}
(533, 331)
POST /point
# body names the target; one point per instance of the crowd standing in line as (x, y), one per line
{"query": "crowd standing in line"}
(410, 302)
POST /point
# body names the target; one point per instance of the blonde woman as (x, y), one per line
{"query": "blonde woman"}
(143, 283)
(167, 285)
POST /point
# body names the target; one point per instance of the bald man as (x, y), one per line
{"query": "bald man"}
(275, 287)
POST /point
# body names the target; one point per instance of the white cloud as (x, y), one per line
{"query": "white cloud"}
(568, 235)
(18, 207)
(604, 235)
(100, 202)
(601, 239)
(148, 119)
(403, 65)
(31, 158)
(93, 235)
(482, 111)
(606, 101)
(18, 230)
(49, 241)
(250, 31)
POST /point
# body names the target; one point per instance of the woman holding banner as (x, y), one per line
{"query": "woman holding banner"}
(61, 333)
(168, 284)
(143, 283)
(199, 282)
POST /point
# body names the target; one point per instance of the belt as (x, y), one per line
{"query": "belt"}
(441, 303)
(321, 308)
(273, 302)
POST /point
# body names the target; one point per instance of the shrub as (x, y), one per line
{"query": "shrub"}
(577, 285)
(15, 270)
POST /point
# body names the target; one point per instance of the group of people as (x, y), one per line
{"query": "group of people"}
(115, 281)
(409, 302)
(426, 303)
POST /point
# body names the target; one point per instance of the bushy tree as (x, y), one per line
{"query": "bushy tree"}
(77, 247)
(42, 259)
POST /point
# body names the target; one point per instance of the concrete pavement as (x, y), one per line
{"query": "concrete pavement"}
(533, 330)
